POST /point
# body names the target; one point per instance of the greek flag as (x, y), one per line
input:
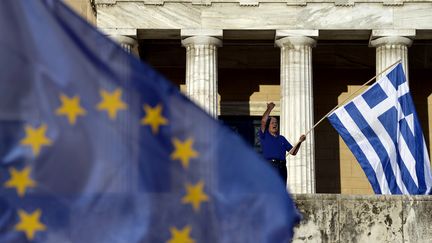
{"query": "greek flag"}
(382, 129)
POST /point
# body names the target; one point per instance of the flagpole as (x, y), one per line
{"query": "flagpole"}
(349, 97)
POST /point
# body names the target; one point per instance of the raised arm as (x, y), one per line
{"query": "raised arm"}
(265, 116)
(296, 147)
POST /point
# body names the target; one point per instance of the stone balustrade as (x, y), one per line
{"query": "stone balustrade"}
(363, 218)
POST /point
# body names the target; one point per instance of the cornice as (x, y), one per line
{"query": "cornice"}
(256, 3)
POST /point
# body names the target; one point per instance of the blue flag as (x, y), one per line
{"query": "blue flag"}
(95, 146)
(383, 131)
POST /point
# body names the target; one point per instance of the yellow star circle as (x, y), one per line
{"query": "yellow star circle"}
(111, 102)
(29, 223)
(183, 151)
(181, 236)
(154, 117)
(36, 138)
(20, 180)
(195, 195)
(70, 108)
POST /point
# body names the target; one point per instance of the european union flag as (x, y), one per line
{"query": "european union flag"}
(95, 146)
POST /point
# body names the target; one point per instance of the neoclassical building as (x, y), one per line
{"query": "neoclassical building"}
(234, 56)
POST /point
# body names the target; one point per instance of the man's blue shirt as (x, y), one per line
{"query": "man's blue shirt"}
(273, 147)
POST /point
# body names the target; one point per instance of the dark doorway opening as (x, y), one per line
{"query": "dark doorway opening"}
(246, 127)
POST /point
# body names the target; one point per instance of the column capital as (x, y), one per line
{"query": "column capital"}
(296, 41)
(126, 40)
(377, 33)
(391, 45)
(285, 33)
(391, 40)
(201, 40)
(185, 33)
(380, 37)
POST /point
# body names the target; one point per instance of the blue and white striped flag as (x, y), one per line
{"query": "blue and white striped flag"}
(382, 129)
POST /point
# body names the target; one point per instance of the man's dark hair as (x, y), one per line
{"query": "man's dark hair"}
(268, 123)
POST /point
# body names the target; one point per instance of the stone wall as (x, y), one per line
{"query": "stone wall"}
(371, 218)
(85, 8)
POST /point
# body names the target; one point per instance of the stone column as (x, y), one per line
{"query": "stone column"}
(297, 107)
(391, 45)
(128, 43)
(201, 71)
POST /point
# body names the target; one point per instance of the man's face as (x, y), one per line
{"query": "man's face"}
(273, 127)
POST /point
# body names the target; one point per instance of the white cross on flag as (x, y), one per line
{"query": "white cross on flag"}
(382, 129)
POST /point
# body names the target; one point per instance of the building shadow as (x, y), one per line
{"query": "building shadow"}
(168, 57)
(245, 67)
(420, 69)
(336, 66)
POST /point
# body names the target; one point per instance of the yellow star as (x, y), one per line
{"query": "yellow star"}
(111, 102)
(154, 117)
(29, 223)
(35, 138)
(71, 108)
(184, 151)
(181, 236)
(20, 180)
(195, 195)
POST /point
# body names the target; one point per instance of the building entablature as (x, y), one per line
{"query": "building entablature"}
(258, 2)
(332, 19)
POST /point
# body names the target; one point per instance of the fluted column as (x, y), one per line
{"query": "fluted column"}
(297, 109)
(129, 44)
(391, 48)
(201, 71)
